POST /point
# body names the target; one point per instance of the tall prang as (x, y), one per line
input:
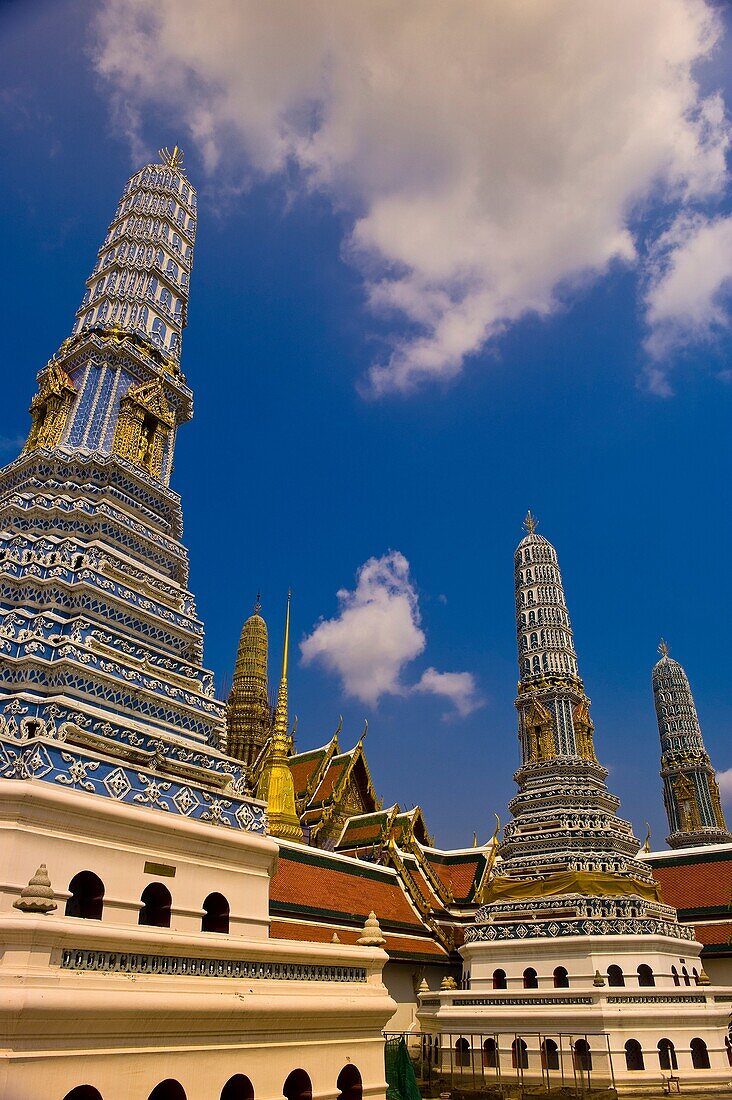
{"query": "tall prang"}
(566, 849)
(249, 711)
(102, 646)
(690, 790)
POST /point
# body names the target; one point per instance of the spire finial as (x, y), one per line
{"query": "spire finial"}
(663, 647)
(530, 523)
(286, 647)
(172, 159)
(258, 603)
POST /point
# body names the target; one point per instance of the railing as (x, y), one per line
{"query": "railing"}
(496, 1063)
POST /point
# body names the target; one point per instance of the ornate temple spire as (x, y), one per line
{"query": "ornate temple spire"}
(249, 714)
(553, 707)
(276, 786)
(690, 790)
(115, 386)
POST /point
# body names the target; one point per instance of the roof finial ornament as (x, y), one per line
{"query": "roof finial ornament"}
(663, 647)
(530, 523)
(172, 159)
(258, 603)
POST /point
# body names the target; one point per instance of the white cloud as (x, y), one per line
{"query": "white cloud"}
(376, 634)
(689, 288)
(459, 687)
(724, 779)
(486, 157)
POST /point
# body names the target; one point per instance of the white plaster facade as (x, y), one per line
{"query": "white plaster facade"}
(71, 1015)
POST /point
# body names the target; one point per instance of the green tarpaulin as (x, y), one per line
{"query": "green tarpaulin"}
(400, 1079)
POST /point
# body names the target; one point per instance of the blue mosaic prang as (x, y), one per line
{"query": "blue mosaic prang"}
(73, 768)
(102, 684)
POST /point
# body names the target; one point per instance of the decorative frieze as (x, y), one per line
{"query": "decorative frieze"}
(133, 962)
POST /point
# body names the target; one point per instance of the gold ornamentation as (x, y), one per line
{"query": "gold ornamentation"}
(539, 732)
(663, 648)
(583, 727)
(172, 159)
(249, 716)
(716, 803)
(276, 786)
(530, 523)
(50, 408)
(689, 816)
(144, 426)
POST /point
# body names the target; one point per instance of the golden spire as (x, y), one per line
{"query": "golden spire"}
(530, 523)
(663, 648)
(173, 160)
(249, 715)
(276, 786)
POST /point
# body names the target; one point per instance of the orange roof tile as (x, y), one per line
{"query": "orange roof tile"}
(303, 768)
(701, 883)
(460, 873)
(718, 932)
(317, 933)
(305, 882)
(327, 784)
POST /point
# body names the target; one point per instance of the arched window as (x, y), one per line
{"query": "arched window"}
(549, 1054)
(675, 976)
(695, 972)
(215, 914)
(728, 1048)
(159, 331)
(699, 1054)
(298, 1086)
(499, 979)
(667, 1055)
(166, 298)
(168, 1090)
(83, 1092)
(685, 972)
(462, 1052)
(645, 975)
(156, 902)
(238, 1087)
(615, 976)
(143, 315)
(582, 1055)
(519, 1054)
(87, 896)
(561, 978)
(634, 1055)
(171, 269)
(349, 1084)
(490, 1054)
(531, 981)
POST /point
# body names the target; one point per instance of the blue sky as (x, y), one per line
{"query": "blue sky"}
(298, 468)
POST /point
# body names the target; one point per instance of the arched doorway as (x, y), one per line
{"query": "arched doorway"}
(349, 1084)
(531, 979)
(490, 1054)
(87, 896)
(238, 1087)
(499, 979)
(561, 978)
(83, 1092)
(298, 1086)
(549, 1054)
(462, 1052)
(582, 1055)
(645, 975)
(699, 1054)
(215, 914)
(519, 1054)
(667, 1055)
(168, 1090)
(156, 903)
(634, 1055)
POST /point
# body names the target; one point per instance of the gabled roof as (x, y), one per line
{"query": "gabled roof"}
(460, 872)
(307, 767)
(365, 830)
(317, 890)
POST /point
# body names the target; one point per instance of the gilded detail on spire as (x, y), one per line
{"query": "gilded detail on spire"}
(50, 408)
(530, 523)
(144, 428)
(276, 786)
(249, 717)
(172, 159)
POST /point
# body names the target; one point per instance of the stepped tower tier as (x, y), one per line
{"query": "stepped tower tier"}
(690, 790)
(249, 712)
(100, 638)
